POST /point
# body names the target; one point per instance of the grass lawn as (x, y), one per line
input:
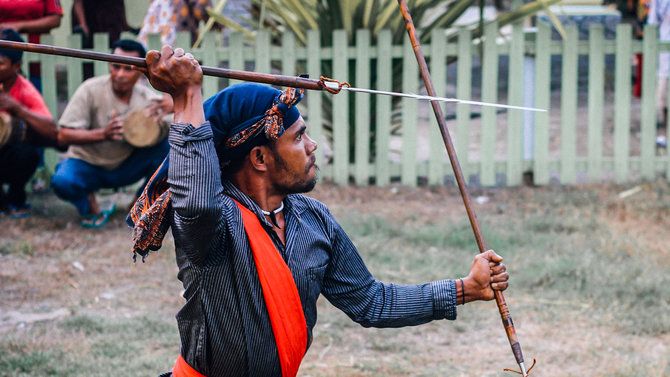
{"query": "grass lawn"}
(589, 289)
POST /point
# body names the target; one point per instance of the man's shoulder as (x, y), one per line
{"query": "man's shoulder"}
(95, 82)
(23, 88)
(146, 91)
(25, 92)
(305, 203)
(89, 92)
(91, 88)
(23, 82)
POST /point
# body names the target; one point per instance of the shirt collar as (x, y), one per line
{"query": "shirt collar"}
(291, 206)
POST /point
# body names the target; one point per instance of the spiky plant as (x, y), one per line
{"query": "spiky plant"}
(300, 16)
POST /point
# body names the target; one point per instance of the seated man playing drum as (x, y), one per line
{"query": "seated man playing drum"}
(25, 125)
(99, 156)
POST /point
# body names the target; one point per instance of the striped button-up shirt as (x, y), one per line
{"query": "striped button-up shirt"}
(224, 326)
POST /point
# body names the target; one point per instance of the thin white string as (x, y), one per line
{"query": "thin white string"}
(335, 85)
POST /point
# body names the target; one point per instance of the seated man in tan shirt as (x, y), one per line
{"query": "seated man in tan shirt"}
(92, 125)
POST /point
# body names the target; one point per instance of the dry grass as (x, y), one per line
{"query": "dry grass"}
(589, 288)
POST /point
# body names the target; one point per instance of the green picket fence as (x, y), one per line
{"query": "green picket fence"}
(593, 131)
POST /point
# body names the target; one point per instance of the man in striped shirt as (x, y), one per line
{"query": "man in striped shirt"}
(240, 163)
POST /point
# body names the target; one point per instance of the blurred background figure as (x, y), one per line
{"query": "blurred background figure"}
(167, 17)
(26, 125)
(99, 16)
(659, 14)
(34, 17)
(93, 126)
(637, 10)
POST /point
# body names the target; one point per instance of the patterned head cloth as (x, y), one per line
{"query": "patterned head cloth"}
(242, 117)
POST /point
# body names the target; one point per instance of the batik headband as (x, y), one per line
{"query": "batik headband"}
(272, 123)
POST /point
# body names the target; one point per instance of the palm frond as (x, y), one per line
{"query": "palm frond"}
(228, 22)
(295, 27)
(208, 26)
(554, 20)
(346, 12)
(367, 13)
(390, 10)
(300, 10)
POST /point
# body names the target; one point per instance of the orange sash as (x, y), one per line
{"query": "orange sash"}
(182, 369)
(281, 298)
(280, 293)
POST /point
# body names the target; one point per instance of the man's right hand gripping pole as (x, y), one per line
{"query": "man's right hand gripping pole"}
(178, 74)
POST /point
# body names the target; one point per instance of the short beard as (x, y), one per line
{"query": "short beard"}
(300, 185)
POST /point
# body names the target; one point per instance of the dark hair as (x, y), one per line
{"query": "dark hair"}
(128, 45)
(232, 166)
(11, 35)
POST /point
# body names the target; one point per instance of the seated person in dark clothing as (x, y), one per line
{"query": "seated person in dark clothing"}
(28, 123)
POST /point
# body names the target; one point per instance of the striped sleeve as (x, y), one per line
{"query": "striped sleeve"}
(444, 299)
(350, 286)
(195, 184)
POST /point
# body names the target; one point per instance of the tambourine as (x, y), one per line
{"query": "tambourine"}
(11, 130)
(141, 130)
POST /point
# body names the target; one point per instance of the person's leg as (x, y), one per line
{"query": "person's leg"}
(157, 155)
(662, 101)
(142, 163)
(74, 180)
(5, 169)
(4, 205)
(22, 162)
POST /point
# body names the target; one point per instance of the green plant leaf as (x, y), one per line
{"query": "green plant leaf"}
(208, 26)
(385, 17)
(292, 24)
(554, 20)
(228, 22)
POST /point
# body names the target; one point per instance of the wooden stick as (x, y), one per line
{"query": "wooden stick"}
(265, 78)
(329, 85)
(460, 180)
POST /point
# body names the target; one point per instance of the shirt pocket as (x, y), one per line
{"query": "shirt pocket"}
(314, 283)
(315, 279)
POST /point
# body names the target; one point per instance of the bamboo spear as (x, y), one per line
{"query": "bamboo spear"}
(306, 83)
(481, 243)
(323, 83)
(266, 78)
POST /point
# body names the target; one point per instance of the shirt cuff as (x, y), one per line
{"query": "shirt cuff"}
(180, 133)
(444, 299)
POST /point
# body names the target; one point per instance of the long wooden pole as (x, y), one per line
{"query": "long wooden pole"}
(265, 78)
(323, 83)
(460, 180)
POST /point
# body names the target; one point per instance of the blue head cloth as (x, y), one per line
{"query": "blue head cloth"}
(239, 107)
(260, 109)
(13, 55)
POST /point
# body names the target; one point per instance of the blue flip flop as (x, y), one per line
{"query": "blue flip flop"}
(100, 220)
(19, 212)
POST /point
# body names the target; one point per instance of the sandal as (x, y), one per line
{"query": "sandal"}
(19, 212)
(92, 221)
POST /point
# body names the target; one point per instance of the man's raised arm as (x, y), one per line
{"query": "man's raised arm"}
(179, 75)
(194, 175)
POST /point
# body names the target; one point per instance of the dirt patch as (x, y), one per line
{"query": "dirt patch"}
(54, 271)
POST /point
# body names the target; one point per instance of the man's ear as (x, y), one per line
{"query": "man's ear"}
(258, 158)
(16, 66)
